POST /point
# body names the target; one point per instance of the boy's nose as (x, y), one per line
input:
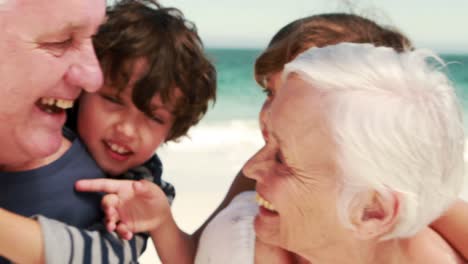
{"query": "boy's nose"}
(126, 128)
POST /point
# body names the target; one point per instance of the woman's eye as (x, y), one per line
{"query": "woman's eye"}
(279, 157)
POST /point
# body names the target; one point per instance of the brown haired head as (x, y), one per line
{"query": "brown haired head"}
(322, 30)
(174, 54)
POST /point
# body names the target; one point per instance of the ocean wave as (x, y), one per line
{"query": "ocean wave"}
(232, 133)
(216, 135)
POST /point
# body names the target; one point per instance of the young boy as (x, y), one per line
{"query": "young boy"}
(158, 84)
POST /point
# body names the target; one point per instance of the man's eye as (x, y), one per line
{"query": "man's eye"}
(112, 99)
(58, 48)
(63, 44)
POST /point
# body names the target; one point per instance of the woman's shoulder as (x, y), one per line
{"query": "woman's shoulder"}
(230, 236)
(429, 247)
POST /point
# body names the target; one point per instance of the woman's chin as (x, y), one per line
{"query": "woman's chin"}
(267, 227)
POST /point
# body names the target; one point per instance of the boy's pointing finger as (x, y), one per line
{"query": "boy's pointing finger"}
(99, 185)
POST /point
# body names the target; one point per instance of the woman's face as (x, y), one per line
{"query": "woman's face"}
(295, 173)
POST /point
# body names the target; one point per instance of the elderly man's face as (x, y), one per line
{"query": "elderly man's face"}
(46, 59)
(295, 173)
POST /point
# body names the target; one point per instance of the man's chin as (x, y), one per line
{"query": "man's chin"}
(43, 144)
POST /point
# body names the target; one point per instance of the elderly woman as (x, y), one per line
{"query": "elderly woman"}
(364, 150)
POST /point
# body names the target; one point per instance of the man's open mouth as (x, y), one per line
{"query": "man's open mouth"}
(53, 105)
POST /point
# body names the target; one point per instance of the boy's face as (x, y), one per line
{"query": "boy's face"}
(118, 135)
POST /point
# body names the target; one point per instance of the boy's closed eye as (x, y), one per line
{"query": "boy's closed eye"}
(160, 114)
(112, 98)
(157, 118)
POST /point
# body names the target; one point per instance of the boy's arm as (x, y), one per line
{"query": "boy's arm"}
(25, 240)
(169, 237)
(65, 244)
(453, 226)
(132, 207)
(240, 184)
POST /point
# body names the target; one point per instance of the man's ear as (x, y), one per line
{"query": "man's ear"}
(374, 215)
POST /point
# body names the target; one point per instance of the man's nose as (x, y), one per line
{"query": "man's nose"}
(85, 72)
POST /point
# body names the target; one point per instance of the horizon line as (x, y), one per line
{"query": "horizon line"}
(222, 47)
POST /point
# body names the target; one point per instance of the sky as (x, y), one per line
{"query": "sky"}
(441, 25)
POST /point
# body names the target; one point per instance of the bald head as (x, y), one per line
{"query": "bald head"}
(5, 5)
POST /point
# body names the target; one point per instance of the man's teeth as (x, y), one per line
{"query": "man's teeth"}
(60, 103)
(118, 149)
(264, 203)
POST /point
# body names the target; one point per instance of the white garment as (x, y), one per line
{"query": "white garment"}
(230, 237)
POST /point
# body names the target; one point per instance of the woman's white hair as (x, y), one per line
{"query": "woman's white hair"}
(397, 126)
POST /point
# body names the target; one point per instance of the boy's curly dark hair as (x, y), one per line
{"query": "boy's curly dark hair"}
(173, 50)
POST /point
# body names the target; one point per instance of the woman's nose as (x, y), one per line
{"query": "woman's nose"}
(257, 166)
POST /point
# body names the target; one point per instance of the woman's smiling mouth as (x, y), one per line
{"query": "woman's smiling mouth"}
(264, 203)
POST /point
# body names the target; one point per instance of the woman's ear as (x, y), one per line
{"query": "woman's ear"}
(374, 215)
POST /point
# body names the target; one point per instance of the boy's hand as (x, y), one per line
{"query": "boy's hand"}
(130, 206)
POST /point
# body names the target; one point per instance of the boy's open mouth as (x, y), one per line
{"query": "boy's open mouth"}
(53, 105)
(118, 149)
